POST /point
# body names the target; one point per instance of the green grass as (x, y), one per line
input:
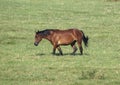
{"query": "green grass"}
(21, 63)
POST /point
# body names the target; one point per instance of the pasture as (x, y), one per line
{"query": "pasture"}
(22, 63)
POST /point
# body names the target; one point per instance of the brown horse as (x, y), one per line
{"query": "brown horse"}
(62, 37)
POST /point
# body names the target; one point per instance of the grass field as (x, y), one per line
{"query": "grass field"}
(21, 63)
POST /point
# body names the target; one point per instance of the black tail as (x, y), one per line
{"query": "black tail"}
(85, 40)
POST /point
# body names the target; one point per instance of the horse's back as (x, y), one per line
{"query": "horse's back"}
(69, 32)
(66, 36)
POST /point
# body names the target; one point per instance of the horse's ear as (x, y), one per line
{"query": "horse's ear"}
(38, 31)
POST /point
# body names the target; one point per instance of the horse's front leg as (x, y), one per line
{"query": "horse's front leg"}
(54, 49)
(60, 51)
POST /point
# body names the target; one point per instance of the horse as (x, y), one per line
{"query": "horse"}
(62, 37)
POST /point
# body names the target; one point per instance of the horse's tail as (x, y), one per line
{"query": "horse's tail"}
(85, 39)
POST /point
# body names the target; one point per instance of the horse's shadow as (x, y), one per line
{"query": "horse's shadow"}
(65, 54)
(70, 54)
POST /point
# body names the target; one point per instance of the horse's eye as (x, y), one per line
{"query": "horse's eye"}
(35, 36)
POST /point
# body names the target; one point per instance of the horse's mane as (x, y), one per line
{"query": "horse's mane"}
(45, 32)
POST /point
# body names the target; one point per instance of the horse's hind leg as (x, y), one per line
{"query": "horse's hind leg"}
(80, 47)
(81, 50)
(74, 47)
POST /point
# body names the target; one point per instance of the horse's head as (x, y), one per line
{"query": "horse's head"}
(41, 34)
(38, 38)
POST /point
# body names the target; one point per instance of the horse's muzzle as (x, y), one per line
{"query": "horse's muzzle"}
(36, 44)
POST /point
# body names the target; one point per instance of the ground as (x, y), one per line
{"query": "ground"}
(23, 63)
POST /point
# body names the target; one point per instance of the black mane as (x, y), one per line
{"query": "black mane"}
(44, 32)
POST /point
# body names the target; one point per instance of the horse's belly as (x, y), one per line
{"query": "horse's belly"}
(65, 42)
(65, 39)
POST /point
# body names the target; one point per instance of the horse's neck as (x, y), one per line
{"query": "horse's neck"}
(48, 37)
